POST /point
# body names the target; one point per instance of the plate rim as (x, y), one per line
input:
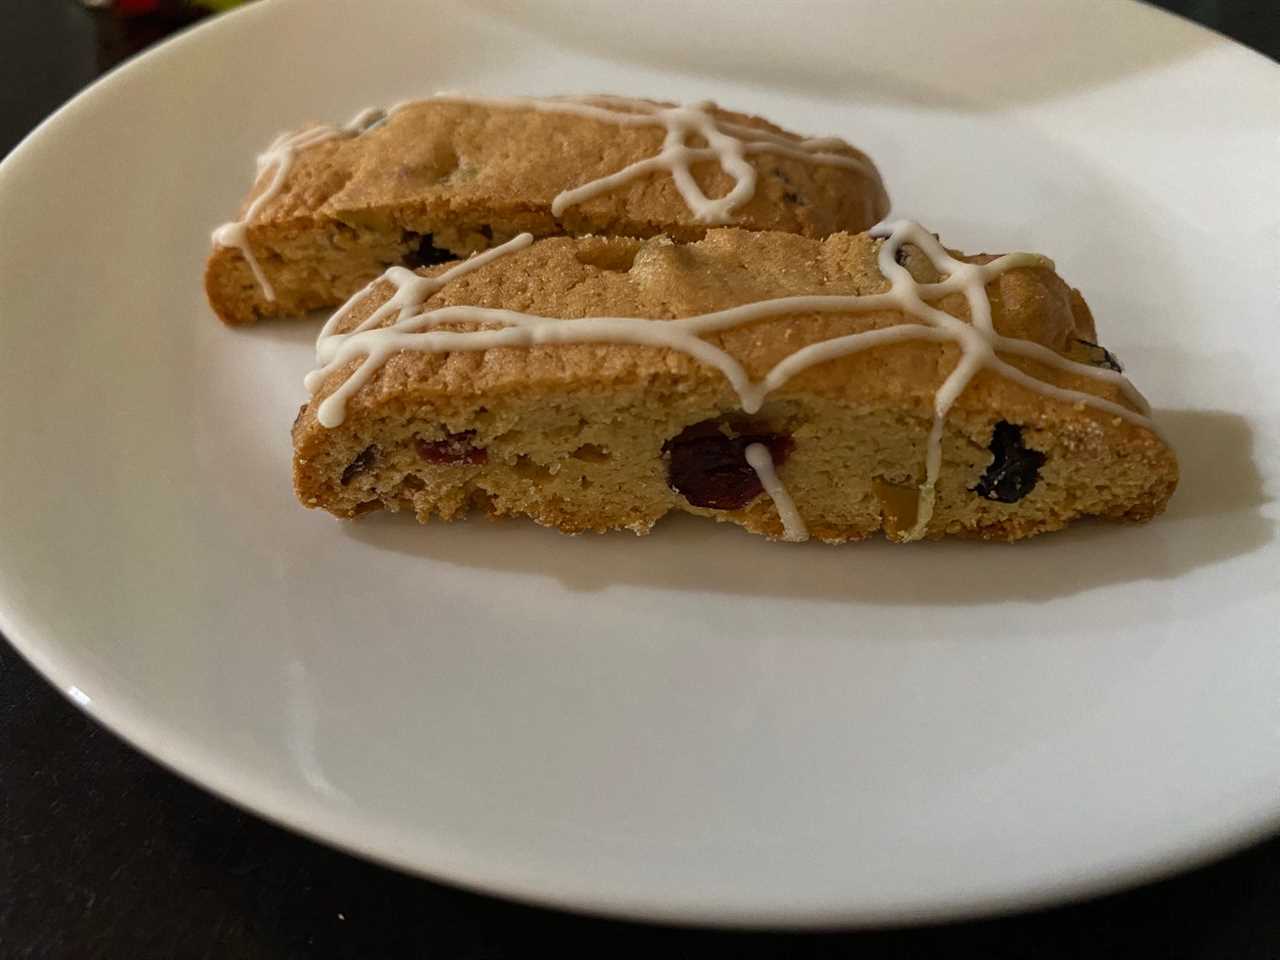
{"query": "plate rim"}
(196, 763)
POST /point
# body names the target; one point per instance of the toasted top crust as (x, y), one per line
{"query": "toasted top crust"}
(482, 162)
(660, 279)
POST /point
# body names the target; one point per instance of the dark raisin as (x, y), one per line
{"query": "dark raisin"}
(486, 231)
(1015, 468)
(900, 256)
(791, 197)
(454, 448)
(425, 254)
(1100, 356)
(363, 461)
(709, 468)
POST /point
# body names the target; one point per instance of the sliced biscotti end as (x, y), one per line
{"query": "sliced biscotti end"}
(309, 271)
(598, 435)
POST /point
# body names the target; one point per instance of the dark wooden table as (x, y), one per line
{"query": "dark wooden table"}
(105, 854)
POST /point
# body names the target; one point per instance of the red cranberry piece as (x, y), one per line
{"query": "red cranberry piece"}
(454, 448)
(709, 468)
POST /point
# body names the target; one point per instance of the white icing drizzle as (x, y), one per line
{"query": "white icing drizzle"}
(761, 461)
(278, 159)
(412, 291)
(727, 142)
(373, 344)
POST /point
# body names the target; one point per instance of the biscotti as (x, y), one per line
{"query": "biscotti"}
(433, 180)
(800, 388)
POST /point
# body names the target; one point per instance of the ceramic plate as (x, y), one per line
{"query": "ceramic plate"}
(698, 725)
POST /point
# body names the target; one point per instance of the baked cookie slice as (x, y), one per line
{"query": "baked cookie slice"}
(800, 388)
(437, 179)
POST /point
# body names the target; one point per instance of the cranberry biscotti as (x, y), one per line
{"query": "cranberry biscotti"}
(432, 180)
(828, 388)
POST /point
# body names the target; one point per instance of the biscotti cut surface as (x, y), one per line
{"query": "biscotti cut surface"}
(442, 178)
(595, 436)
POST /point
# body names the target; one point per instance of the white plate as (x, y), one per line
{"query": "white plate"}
(698, 725)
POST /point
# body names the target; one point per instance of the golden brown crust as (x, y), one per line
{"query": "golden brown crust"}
(854, 420)
(471, 175)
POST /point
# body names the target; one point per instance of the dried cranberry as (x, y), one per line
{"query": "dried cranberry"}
(363, 461)
(1014, 470)
(454, 448)
(709, 468)
(426, 253)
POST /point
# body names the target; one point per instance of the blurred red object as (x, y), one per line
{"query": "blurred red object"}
(167, 8)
